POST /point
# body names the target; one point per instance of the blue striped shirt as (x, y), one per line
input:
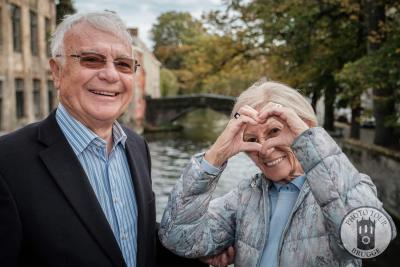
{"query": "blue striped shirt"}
(109, 176)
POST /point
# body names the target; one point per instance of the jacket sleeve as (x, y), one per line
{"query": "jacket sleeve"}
(10, 228)
(193, 225)
(335, 183)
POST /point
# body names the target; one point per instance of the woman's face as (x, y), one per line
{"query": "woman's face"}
(277, 163)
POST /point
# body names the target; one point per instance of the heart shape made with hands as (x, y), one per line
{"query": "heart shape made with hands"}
(275, 124)
(244, 133)
(271, 132)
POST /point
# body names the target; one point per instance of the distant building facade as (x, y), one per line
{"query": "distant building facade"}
(146, 83)
(27, 93)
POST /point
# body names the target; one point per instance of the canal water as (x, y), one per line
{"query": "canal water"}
(171, 151)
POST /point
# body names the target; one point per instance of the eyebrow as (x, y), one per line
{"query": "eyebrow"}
(95, 51)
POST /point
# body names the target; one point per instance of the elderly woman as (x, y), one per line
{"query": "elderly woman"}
(290, 213)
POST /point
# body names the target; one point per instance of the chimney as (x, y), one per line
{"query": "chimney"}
(134, 32)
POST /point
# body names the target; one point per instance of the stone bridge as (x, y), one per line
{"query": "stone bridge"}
(167, 109)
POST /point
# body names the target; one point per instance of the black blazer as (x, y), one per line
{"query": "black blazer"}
(49, 214)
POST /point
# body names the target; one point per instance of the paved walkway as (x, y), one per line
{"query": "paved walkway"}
(366, 134)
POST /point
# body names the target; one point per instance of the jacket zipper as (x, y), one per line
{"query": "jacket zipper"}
(264, 187)
(299, 200)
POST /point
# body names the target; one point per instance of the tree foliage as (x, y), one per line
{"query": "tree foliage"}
(168, 82)
(327, 48)
(64, 7)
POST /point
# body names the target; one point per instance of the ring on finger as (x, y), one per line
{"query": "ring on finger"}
(237, 115)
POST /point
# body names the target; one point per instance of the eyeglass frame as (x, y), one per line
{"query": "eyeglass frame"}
(135, 64)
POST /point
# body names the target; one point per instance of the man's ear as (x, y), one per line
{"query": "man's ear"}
(55, 72)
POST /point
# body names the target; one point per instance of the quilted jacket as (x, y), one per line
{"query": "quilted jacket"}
(196, 225)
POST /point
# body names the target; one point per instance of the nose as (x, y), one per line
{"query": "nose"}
(109, 73)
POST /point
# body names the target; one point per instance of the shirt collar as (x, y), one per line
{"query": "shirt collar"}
(297, 182)
(79, 136)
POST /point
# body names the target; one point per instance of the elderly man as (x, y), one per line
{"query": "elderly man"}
(75, 188)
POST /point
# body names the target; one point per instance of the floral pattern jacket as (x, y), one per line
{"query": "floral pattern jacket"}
(196, 225)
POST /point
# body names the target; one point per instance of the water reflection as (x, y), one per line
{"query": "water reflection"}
(170, 152)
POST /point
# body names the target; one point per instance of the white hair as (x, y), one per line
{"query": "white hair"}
(107, 21)
(263, 92)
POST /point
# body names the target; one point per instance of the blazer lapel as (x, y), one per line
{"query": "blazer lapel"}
(141, 179)
(68, 173)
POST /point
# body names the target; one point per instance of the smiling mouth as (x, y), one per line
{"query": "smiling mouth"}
(274, 162)
(104, 93)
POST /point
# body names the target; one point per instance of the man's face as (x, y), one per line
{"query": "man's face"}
(96, 97)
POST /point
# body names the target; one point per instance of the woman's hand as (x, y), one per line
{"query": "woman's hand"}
(221, 260)
(293, 124)
(230, 142)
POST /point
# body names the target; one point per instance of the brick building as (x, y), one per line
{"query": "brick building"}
(27, 93)
(26, 89)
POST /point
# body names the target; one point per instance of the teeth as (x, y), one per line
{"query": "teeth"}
(104, 93)
(274, 162)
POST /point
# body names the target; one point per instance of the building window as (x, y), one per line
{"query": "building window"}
(34, 32)
(36, 97)
(1, 103)
(1, 23)
(48, 36)
(19, 95)
(51, 94)
(16, 27)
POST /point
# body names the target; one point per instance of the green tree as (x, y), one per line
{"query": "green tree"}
(168, 82)
(308, 41)
(173, 35)
(378, 69)
(64, 7)
(384, 102)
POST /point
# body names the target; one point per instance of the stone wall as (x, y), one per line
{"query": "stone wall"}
(383, 165)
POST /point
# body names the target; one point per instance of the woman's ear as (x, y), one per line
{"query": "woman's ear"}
(310, 123)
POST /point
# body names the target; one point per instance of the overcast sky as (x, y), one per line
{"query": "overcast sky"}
(143, 13)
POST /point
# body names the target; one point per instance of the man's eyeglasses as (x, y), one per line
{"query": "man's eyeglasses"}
(92, 60)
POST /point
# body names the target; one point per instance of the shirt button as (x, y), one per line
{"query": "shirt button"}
(124, 236)
(115, 200)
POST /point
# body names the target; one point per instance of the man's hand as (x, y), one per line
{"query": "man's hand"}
(221, 260)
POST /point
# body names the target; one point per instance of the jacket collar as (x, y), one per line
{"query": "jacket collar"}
(69, 175)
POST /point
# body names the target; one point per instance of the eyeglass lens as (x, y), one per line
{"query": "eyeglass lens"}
(97, 61)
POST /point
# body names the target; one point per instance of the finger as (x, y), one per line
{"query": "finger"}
(231, 255)
(271, 111)
(243, 119)
(270, 105)
(274, 142)
(250, 146)
(250, 112)
(211, 261)
(224, 260)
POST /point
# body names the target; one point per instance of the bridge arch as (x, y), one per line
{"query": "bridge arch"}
(169, 109)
